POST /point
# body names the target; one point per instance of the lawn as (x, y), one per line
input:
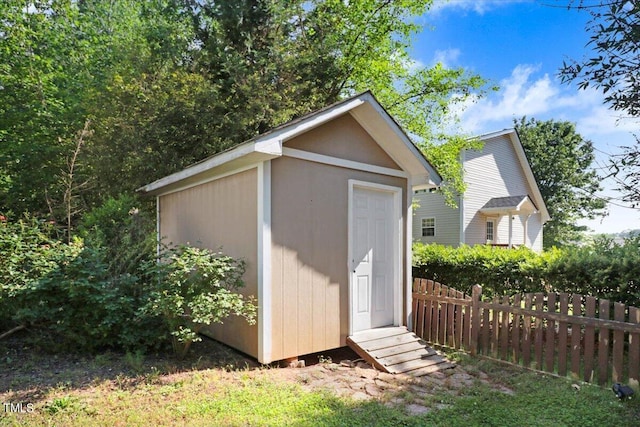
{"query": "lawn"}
(216, 386)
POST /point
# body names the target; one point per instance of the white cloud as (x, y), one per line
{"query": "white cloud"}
(446, 57)
(518, 96)
(526, 93)
(478, 6)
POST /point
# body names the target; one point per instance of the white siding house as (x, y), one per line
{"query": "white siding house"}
(501, 206)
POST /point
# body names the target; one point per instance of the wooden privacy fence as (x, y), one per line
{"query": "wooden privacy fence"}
(559, 333)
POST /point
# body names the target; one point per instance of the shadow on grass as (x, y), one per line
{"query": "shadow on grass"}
(27, 372)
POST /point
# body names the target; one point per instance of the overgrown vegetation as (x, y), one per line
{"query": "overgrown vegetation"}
(602, 268)
(106, 288)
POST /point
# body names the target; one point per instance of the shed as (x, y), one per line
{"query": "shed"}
(320, 209)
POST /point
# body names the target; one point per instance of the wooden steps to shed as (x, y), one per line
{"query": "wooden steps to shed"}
(396, 350)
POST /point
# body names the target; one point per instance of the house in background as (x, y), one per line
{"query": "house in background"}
(502, 205)
(320, 209)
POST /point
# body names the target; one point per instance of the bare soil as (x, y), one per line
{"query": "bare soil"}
(27, 373)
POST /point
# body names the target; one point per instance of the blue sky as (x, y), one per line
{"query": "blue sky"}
(520, 45)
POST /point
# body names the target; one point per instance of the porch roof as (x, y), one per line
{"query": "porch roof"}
(509, 205)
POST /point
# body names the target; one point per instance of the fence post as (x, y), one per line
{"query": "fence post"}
(476, 294)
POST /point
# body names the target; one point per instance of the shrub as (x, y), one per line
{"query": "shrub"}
(499, 271)
(123, 232)
(29, 252)
(195, 287)
(70, 292)
(603, 269)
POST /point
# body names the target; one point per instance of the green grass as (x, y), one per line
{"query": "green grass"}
(537, 400)
(263, 398)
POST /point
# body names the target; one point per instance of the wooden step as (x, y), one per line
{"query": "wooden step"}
(402, 348)
(397, 350)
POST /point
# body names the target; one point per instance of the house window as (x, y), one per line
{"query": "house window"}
(491, 230)
(428, 227)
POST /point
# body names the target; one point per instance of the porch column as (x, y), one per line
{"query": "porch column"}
(510, 230)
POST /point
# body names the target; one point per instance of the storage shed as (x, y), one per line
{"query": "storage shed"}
(320, 209)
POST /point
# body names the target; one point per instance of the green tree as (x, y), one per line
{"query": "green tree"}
(38, 120)
(614, 69)
(166, 83)
(278, 60)
(561, 160)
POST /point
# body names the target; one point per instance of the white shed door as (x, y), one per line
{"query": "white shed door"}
(372, 284)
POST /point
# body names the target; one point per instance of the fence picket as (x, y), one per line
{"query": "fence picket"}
(576, 335)
(562, 336)
(466, 329)
(504, 330)
(495, 329)
(450, 316)
(428, 306)
(526, 338)
(415, 302)
(550, 335)
(603, 343)
(442, 321)
(459, 323)
(538, 344)
(589, 336)
(618, 344)
(515, 339)
(486, 329)
(435, 313)
(418, 306)
(634, 349)
(476, 293)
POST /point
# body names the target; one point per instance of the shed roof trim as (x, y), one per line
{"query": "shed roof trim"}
(269, 144)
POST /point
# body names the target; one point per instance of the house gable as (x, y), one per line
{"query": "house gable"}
(364, 108)
(497, 171)
(497, 174)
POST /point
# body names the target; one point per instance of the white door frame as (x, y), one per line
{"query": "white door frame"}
(397, 246)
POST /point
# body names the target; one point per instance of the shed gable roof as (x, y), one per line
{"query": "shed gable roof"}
(363, 107)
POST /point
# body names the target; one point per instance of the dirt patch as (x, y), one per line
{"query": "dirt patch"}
(27, 374)
(25, 371)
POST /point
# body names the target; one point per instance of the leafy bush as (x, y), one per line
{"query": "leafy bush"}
(69, 291)
(124, 233)
(603, 269)
(106, 288)
(195, 287)
(29, 252)
(498, 270)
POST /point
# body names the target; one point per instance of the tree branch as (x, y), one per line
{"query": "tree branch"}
(12, 331)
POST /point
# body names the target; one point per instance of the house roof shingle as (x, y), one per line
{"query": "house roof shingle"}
(505, 202)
